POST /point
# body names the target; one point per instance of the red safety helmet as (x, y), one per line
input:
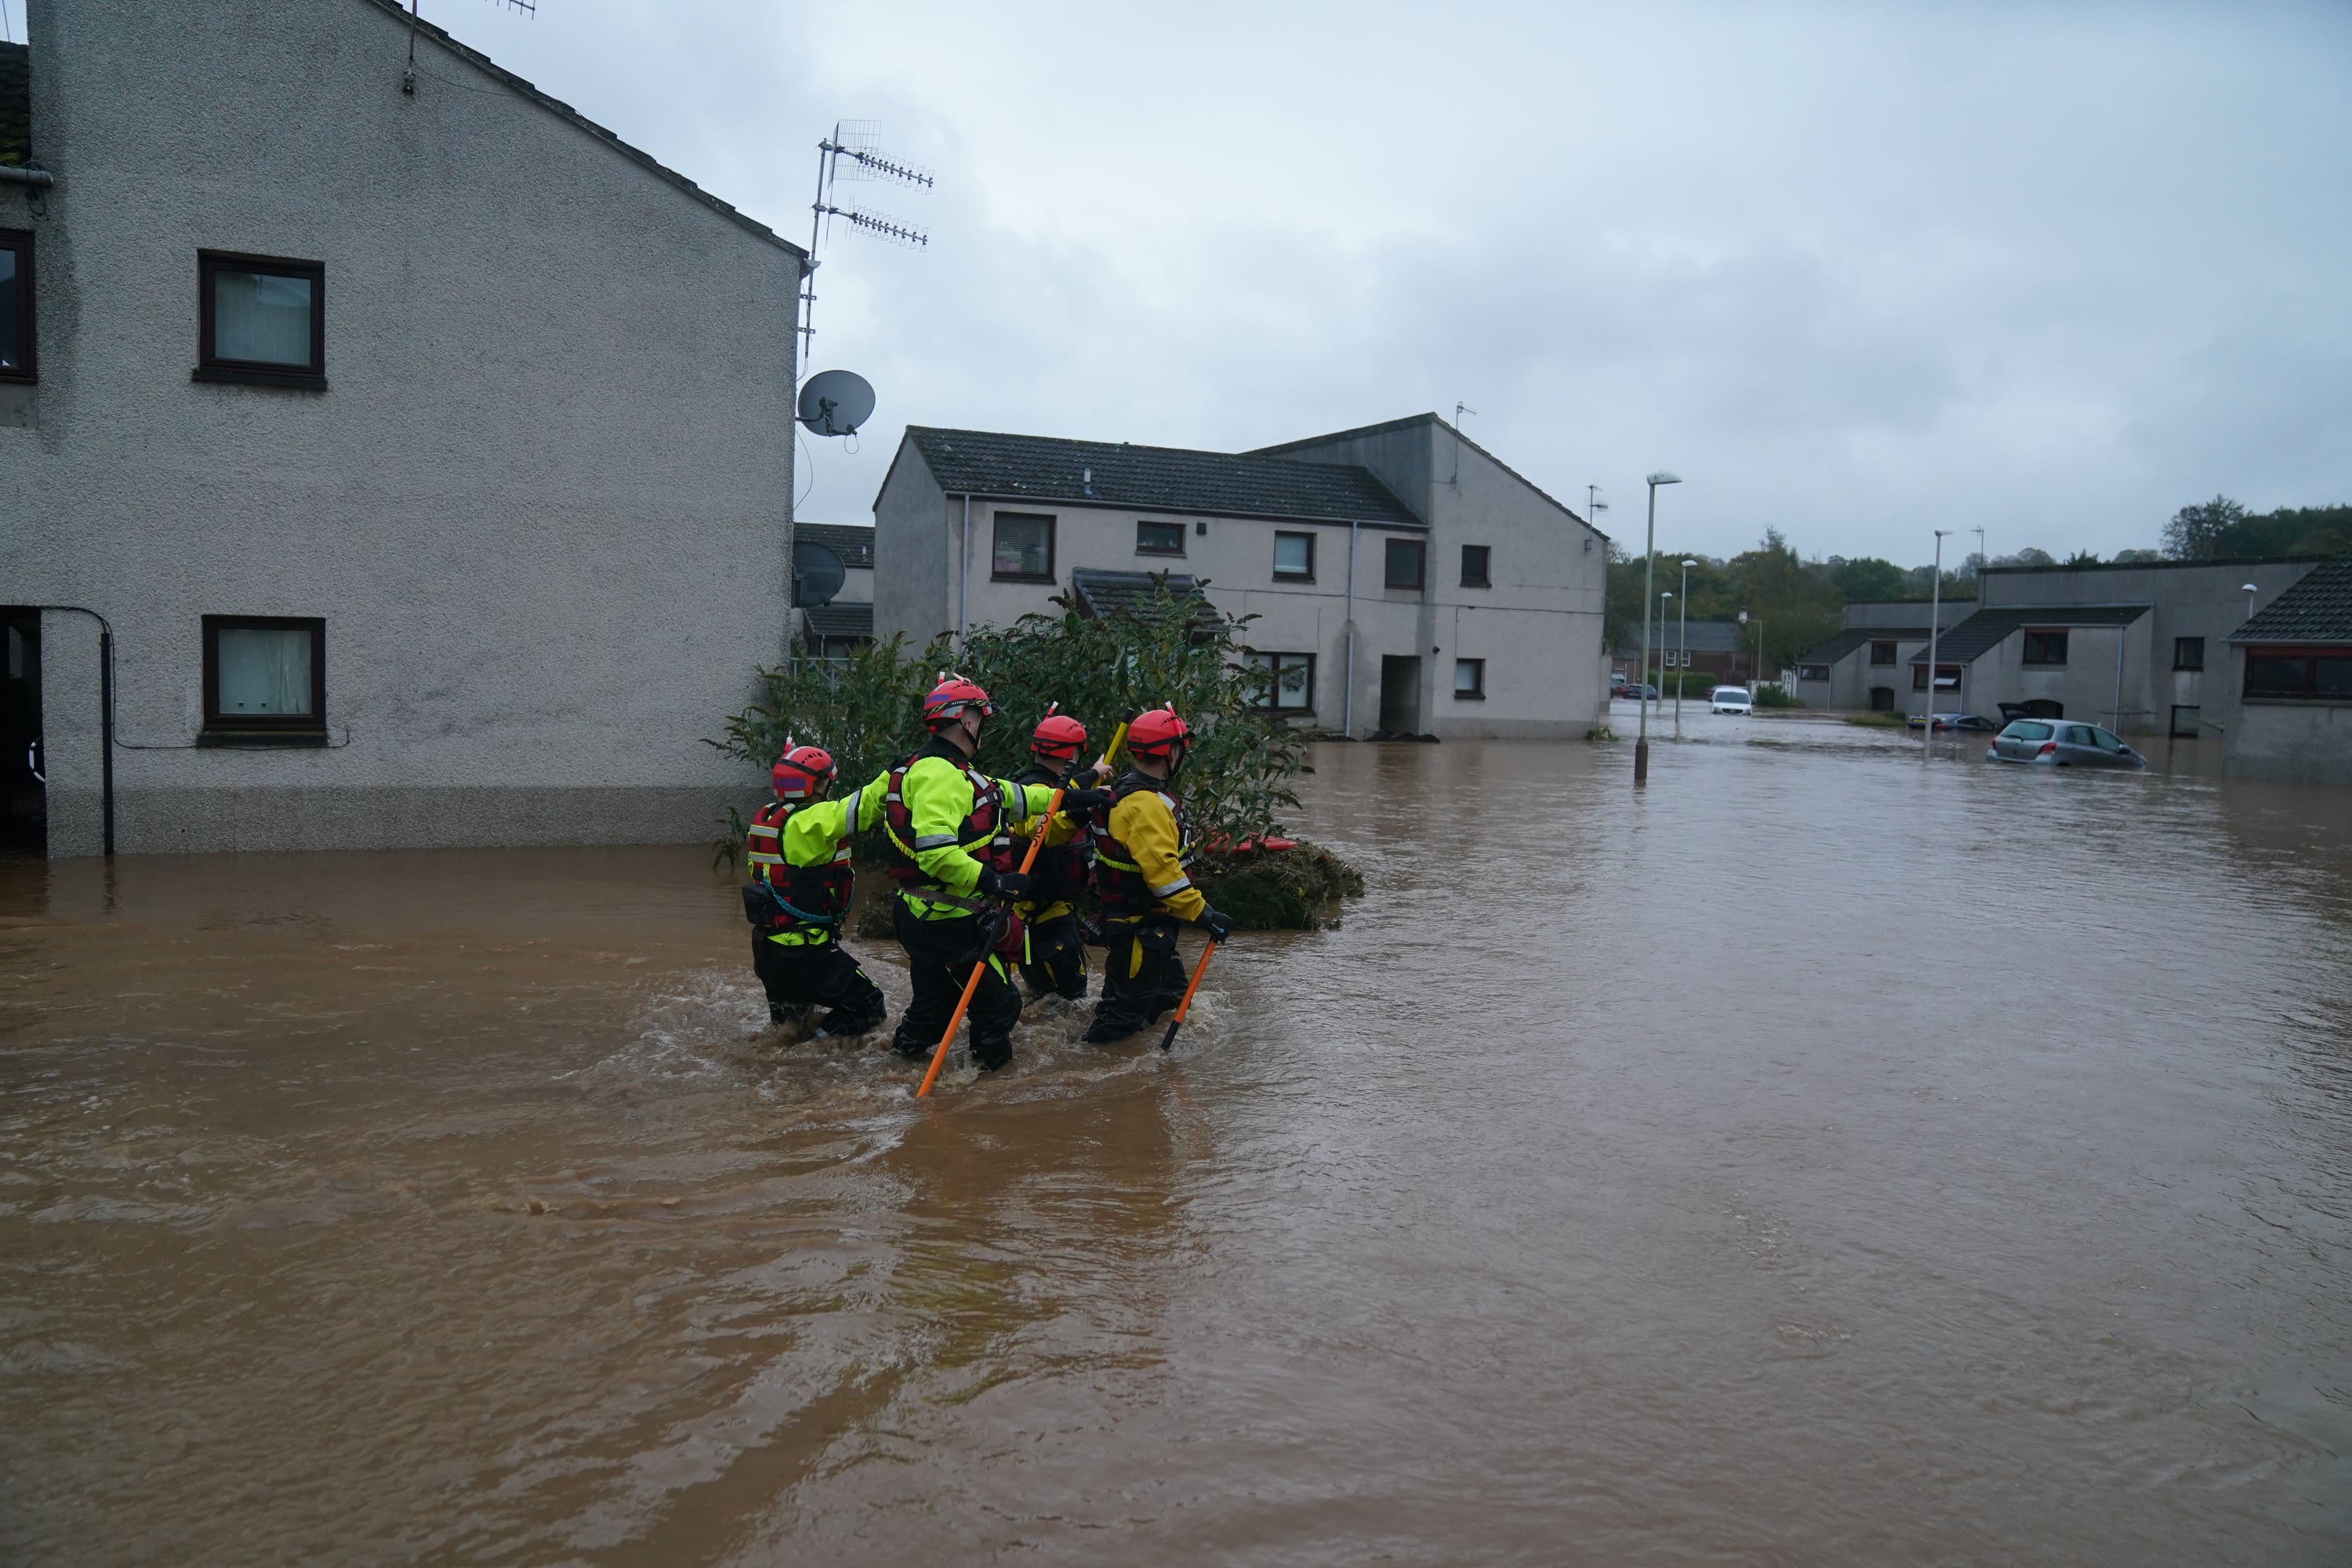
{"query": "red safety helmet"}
(949, 697)
(1058, 737)
(799, 772)
(1157, 733)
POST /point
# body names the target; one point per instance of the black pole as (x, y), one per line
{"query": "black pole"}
(105, 727)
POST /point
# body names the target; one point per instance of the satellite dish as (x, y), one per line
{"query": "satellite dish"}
(817, 573)
(835, 403)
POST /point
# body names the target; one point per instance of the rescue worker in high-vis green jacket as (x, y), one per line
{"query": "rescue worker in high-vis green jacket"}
(798, 850)
(1143, 852)
(951, 852)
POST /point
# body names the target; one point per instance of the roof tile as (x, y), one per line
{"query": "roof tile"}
(2319, 608)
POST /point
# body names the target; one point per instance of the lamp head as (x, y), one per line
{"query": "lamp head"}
(1688, 565)
(1663, 478)
(1743, 617)
(2249, 588)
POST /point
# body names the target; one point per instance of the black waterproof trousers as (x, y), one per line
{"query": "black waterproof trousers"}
(818, 974)
(1143, 978)
(939, 956)
(1058, 958)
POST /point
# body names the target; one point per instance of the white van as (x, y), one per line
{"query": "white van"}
(1730, 699)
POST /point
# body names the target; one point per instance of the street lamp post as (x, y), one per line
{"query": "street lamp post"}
(1934, 626)
(1663, 596)
(1683, 638)
(1755, 670)
(1649, 586)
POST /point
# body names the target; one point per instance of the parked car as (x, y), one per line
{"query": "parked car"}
(1617, 683)
(1730, 699)
(2061, 743)
(1969, 721)
(1642, 693)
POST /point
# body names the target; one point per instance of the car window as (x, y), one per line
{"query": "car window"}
(2104, 741)
(1739, 691)
(2078, 735)
(2027, 730)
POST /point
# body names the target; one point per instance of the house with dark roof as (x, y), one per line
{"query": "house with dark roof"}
(1725, 650)
(845, 619)
(1403, 580)
(419, 450)
(2293, 661)
(1863, 664)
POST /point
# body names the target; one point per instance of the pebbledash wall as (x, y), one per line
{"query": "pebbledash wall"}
(1536, 628)
(542, 504)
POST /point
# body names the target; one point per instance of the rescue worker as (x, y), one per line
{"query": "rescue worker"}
(801, 883)
(1143, 849)
(951, 829)
(1054, 954)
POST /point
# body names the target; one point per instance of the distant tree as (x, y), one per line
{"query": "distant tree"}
(2137, 557)
(2029, 556)
(1868, 578)
(2195, 532)
(2084, 558)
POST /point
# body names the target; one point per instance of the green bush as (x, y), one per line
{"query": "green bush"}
(1772, 694)
(1289, 890)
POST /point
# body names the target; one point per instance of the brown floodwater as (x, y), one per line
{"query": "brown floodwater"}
(1824, 1158)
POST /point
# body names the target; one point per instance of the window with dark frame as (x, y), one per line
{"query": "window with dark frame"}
(1159, 539)
(2188, 653)
(1406, 559)
(20, 358)
(1024, 548)
(1948, 678)
(1813, 672)
(261, 320)
(1290, 680)
(1882, 653)
(1294, 558)
(265, 676)
(1474, 566)
(2299, 674)
(2045, 647)
(1469, 679)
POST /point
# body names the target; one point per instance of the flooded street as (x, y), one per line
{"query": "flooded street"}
(1822, 1159)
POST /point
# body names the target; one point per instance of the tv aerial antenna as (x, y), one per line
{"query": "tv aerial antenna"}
(408, 76)
(853, 153)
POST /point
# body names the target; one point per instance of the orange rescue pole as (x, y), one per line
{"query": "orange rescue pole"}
(1185, 1006)
(1037, 841)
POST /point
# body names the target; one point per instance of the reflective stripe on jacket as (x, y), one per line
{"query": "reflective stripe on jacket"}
(945, 821)
(801, 848)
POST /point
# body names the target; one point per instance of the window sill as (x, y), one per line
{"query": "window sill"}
(2297, 701)
(227, 375)
(1288, 713)
(263, 740)
(1018, 577)
(1480, 584)
(19, 378)
(1170, 555)
(1469, 697)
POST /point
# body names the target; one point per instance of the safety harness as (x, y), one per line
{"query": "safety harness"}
(1126, 895)
(985, 833)
(783, 896)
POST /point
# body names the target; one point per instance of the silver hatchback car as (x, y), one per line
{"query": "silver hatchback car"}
(2061, 743)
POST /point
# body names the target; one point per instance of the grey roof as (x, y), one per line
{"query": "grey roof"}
(1406, 423)
(1987, 629)
(1153, 479)
(490, 67)
(1852, 637)
(2319, 608)
(851, 543)
(16, 105)
(1706, 636)
(838, 620)
(1102, 593)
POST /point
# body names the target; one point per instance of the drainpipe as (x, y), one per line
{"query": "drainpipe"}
(105, 712)
(963, 578)
(2118, 714)
(1348, 704)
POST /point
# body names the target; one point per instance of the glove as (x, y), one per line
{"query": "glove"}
(1216, 922)
(999, 884)
(1075, 801)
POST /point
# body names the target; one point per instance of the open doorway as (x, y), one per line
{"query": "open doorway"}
(26, 827)
(1401, 694)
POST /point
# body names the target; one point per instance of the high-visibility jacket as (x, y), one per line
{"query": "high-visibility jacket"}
(801, 850)
(945, 821)
(1063, 868)
(1143, 849)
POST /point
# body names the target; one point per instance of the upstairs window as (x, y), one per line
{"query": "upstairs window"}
(261, 319)
(1405, 557)
(265, 676)
(2045, 647)
(1159, 539)
(1294, 558)
(1474, 566)
(2188, 653)
(1024, 548)
(17, 360)
(1882, 653)
(1948, 678)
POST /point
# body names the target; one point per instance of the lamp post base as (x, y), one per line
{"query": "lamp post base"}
(1641, 762)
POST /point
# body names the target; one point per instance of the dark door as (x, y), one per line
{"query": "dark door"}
(1401, 694)
(1882, 699)
(21, 764)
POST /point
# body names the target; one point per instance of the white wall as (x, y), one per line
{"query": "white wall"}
(544, 506)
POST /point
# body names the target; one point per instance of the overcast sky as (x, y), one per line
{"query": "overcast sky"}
(1856, 270)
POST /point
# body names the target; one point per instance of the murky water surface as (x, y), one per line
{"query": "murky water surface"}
(1825, 1159)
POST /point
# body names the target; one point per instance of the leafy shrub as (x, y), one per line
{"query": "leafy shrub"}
(1291, 889)
(1772, 694)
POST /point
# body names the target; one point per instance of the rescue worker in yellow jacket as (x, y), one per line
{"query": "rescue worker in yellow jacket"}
(798, 847)
(1054, 954)
(951, 852)
(1143, 851)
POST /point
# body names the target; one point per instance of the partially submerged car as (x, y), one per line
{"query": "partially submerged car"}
(1957, 721)
(2061, 743)
(1730, 699)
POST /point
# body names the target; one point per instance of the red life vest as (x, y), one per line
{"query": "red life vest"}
(1062, 872)
(1119, 881)
(820, 892)
(985, 834)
